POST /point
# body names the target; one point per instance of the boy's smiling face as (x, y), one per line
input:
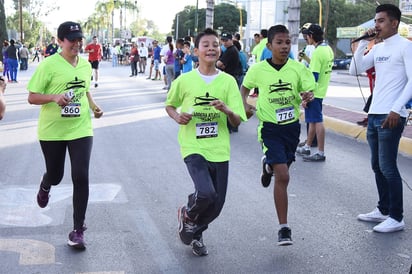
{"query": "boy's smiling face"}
(280, 47)
(209, 48)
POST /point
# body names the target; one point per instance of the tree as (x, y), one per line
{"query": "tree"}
(226, 18)
(337, 13)
(3, 29)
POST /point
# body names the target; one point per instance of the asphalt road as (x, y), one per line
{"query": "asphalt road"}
(138, 181)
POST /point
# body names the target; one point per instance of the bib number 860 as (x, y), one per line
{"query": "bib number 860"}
(71, 110)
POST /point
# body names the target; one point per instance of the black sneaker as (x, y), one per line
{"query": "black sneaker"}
(186, 226)
(267, 173)
(76, 239)
(199, 248)
(285, 236)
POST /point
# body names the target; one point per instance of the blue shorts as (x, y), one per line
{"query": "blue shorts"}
(313, 113)
(156, 64)
(280, 142)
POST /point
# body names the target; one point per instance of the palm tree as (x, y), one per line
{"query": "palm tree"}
(210, 6)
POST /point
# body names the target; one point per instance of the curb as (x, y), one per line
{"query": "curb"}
(359, 133)
(351, 130)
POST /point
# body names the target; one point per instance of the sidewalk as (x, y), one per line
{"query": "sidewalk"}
(343, 121)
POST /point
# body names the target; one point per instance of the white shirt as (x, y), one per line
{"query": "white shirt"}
(392, 60)
(143, 51)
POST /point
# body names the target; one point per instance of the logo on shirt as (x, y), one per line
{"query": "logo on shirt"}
(205, 113)
(283, 93)
(280, 86)
(74, 85)
(383, 59)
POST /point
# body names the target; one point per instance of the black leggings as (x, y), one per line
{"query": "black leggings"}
(79, 151)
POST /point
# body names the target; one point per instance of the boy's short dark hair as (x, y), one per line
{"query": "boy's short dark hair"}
(264, 33)
(273, 30)
(207, 31)
(180, 41)
(393, 11)
(186, 43)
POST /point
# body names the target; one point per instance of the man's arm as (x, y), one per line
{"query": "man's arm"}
(2, 100)
(249, 109)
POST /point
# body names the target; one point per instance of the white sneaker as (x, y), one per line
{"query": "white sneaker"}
(390, 225)
(374, 216)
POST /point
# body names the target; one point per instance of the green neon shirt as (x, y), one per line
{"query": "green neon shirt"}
(279, 91)
(55, 75)
(322, 62)
(207, 133)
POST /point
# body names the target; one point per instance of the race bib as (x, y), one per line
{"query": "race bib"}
(71, 110)
(285, 114)
(206, 130)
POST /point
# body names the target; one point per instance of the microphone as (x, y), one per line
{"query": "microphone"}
(363, 37)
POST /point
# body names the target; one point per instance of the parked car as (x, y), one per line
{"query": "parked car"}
(342, 63)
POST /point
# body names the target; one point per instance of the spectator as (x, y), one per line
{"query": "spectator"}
(143, 53)
(12, 61)
(24, 57)
(321, 66)
(51, 48)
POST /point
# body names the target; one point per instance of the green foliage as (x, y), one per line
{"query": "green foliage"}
(339, 13)
(3, 30)
(33, 29)
(226, 18)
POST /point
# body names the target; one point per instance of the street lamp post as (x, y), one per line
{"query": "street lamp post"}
(113, 25)
(239, 6)
(196, 17)
(21, 20)
(125, 11)
(177, 27)
(320, 12)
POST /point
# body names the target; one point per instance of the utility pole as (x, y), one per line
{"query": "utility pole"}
(293, 23)
(21, 20)
(196, 17)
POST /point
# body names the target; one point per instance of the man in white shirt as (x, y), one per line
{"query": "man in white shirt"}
(392, 60)
(143, 53)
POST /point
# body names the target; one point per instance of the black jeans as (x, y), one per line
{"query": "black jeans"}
(79, 151)
(210, 181)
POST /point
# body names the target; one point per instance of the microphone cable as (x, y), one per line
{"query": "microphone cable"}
(357, 76)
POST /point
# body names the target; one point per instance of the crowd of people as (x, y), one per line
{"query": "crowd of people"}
(208, 85)
(16, 57)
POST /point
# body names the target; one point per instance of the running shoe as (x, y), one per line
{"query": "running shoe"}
(76, 239)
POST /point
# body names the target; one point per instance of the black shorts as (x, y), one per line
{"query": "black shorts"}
(280, 142)
(95, 64)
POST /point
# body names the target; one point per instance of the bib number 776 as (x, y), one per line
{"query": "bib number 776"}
(285, 114)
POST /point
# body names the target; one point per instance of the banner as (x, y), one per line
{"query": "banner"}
(406, 7)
